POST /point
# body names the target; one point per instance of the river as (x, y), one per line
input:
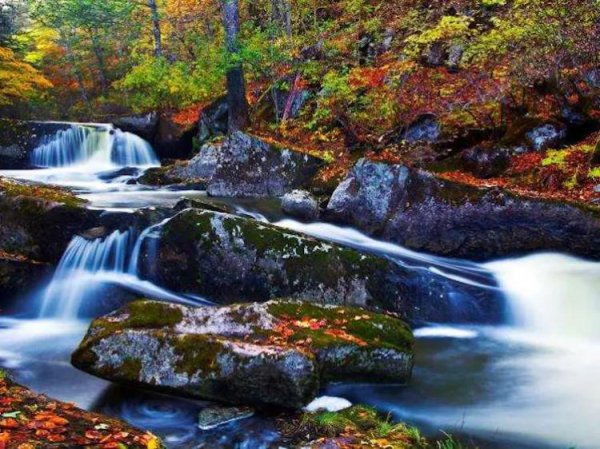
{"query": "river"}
(530, 382)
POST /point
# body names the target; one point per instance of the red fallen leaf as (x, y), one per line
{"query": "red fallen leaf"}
(56, 438)
(9, 423)
(93, 435)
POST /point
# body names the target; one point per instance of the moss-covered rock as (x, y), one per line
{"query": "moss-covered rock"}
(39, 222)
(420, 211)
(229, 259)
(275, 353)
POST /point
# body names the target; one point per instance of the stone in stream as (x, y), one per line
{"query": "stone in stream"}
(277, 353)
(245, 166)
(300, 204)
(422, 212)
(229, 259)
(215, 416)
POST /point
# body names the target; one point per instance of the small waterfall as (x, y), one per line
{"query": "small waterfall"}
(96, 145)
(552, 296)
(82, 260)
(89, 266)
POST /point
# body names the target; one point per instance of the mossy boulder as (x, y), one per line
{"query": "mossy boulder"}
(229, 259)
(277, 353)
(38, 222)
(244, 166)
(417, 210)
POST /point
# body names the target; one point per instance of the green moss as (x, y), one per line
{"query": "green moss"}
(364, 422)
(131, 368)
(3, 374)
(54, 194)
(196, 352)
(377, 330)
(152, 314)
(555, 157)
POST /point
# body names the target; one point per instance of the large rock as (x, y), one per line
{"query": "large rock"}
(228, 259)
(300, 204)
(214, 120)
(38, 222)
(415, 209)
(277, 353)
(426, 128)
(244, 166)
(18, 139)
(143, 125)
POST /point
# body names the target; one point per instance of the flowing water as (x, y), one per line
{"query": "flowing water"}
(529, 383)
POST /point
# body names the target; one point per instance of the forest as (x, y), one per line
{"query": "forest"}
(325, 224)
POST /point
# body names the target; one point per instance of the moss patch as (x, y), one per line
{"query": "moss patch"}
(196, 352)
(54, 194)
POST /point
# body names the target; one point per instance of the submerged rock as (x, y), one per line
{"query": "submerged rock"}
(227, 259)
(215, 416)
(244, 166)
(276, 353)
(300, 204)
(417, 210)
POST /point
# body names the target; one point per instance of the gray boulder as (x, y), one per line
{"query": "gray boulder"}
(245, 166)
(426, 128)
(277, 353)
(300, 204)
(143, 125)
(227, 259)
(546, 136)
(486, 162)
(417, 210)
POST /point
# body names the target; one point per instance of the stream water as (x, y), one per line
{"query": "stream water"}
(529, 383)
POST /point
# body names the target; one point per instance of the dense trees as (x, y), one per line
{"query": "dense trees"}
(366, 67)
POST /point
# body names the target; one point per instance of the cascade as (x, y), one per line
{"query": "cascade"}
(88, 266)
(96, 146)
(550, 295)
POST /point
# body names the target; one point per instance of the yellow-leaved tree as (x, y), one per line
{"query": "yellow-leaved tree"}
(18, 80)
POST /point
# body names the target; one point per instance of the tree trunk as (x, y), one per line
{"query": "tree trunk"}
(156, 28)
(239, 118)
(281, 13)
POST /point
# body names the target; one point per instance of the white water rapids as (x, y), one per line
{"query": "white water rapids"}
(529, 383)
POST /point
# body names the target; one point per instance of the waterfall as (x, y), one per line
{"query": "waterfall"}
(552, 296)
(94, 145)
(89, 266)
(82, 260)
